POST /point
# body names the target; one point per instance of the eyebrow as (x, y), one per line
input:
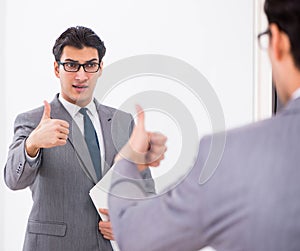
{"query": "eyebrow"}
(76, 61)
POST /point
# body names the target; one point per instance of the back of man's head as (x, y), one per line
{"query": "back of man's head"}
(286, 15)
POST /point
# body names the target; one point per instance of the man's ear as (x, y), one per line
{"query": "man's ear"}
(56, 69)
(279, 42)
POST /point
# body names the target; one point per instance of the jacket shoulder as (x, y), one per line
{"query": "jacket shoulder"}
(113, 111)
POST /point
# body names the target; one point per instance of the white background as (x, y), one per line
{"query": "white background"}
(215, 36)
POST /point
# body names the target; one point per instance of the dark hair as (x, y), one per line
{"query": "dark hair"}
(78, 37)
(286, 15)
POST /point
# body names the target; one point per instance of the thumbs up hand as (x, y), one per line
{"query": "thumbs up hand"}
(143, 148)
(49, 133)
(139, 139)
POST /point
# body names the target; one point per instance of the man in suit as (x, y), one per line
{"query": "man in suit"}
(51, 154)
(251, 201)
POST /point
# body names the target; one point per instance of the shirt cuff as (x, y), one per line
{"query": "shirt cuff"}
(31, 160)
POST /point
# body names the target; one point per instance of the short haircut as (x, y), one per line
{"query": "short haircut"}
(78, 37)
(286, 15)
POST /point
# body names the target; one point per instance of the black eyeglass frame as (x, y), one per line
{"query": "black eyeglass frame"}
(267, 32)
(79, 66)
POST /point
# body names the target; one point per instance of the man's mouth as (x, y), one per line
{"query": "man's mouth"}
(80, 86)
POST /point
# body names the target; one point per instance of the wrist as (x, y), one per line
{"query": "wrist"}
(128, 153)
(31, 148)
(142, 167)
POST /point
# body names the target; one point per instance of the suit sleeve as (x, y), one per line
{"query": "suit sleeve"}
(18, 172)
(168, 221)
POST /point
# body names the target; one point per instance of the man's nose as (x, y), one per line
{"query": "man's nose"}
(81, 74)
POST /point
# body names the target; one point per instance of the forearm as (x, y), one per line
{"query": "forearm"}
(126, 194)
(156, 222)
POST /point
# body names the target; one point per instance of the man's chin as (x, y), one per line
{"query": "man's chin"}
(82, 101)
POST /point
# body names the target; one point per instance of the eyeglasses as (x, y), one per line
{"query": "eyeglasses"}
(74, 67)
(264, 39)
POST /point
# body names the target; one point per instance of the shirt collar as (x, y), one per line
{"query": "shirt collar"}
(92, 108)
(73, 109)
(296, 94)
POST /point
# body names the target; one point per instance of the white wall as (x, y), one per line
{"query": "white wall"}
(215, 36)
(3, 124)
(262, 69)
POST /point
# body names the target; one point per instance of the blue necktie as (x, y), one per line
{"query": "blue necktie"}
(91, 140)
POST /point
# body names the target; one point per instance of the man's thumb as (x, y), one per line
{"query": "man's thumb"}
(140, 117)
(47, 110)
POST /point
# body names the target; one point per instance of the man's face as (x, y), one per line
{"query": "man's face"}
(78, 87)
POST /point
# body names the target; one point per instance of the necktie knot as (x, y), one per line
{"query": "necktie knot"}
(83, 111)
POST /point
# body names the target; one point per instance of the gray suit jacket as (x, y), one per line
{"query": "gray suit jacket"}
(250, 203)
(63, 217)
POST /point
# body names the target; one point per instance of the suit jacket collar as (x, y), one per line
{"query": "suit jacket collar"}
(293, 106)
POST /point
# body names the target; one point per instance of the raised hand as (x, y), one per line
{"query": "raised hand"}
(144, 148)
(140, 139)
(49, 133)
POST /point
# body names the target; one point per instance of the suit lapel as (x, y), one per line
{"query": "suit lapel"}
(76, 139)
(105, 117)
